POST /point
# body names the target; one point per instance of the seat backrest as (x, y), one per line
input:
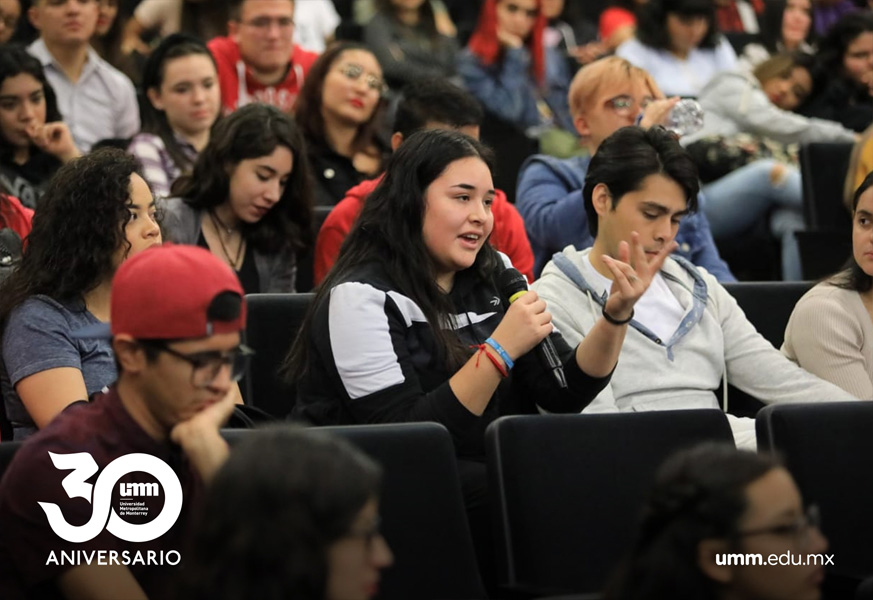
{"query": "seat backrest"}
(828, 448)
(422, 510)
(823, 168)
(7, 453)
(568, 490)
(272, 324)
(768, 304)
(305, 278)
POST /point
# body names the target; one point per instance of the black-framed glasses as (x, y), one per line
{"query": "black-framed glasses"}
(799, 529)
(354, 71)
(205, 366)
(626, 106)
(369, 534)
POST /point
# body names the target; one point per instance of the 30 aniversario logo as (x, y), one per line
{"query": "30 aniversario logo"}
(104, 515)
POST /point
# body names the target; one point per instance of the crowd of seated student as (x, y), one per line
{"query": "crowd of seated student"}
(416, 254)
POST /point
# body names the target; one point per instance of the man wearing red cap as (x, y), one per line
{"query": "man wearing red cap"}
(96, 504)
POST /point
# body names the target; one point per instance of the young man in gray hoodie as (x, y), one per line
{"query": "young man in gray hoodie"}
(686, 332)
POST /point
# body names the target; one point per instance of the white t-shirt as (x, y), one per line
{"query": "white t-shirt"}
(658, 309)
(314, 21)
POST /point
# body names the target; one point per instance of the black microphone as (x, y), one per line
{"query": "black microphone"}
(513, 285)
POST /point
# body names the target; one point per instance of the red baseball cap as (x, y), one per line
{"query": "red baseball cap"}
(165, 292)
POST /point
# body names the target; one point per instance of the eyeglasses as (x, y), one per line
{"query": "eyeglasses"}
(266, 22)
(530, 13)
(369, 534)
(799, 529)
(206, 365)
(354, 71)
(624, 105)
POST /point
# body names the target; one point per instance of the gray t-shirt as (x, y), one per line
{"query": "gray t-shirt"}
(38, 337)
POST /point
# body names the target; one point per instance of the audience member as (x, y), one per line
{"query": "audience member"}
(258, 60)
(760, 104)
(746, 151)
(96, 213)
(302, 509)
(34, 142)
(846, 55)
(678, 43)
(374, 347)
(711, 501)
(10, 12)
(427, 104)
(509, 69)
(315, 23)
(340, 112)
(183, 102)
(570, 33)
(204, 19)
(403, 35)
(786, 26)
(827, 13)
(177, 315)
(687, 333)
(108, 33)
(248, 198)
(830, 333)
(605, 95)
(95, 98)
(738, 17)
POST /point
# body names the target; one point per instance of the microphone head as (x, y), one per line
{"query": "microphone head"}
(511, 282)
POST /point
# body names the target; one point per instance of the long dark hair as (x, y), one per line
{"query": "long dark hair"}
(108, 46)
(271, 514)
(76, 231)
(835, 43)
(253, 131)
(15, 60)
(388, 230)
(425, 14)
(853, 277)
(308, 109)
(652, 21)
(771, 26)
(155, 121)
(698, 494)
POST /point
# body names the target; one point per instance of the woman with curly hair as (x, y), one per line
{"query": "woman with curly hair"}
(711, 501)
(293, 513)
(96, 213)
(340, 110)
(248, 198)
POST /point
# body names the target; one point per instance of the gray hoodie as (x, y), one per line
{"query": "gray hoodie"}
(713, 340)
(734, 102)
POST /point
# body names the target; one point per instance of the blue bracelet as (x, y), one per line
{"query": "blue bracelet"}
(499, 349)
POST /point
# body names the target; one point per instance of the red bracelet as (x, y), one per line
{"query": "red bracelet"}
(492, 358)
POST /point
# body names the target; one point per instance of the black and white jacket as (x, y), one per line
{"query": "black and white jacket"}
(372, 360)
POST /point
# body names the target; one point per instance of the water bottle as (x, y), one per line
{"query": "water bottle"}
(685, 118)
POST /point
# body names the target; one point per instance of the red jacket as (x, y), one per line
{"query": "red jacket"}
(15, 216)
(235, 94)
(508, 236)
